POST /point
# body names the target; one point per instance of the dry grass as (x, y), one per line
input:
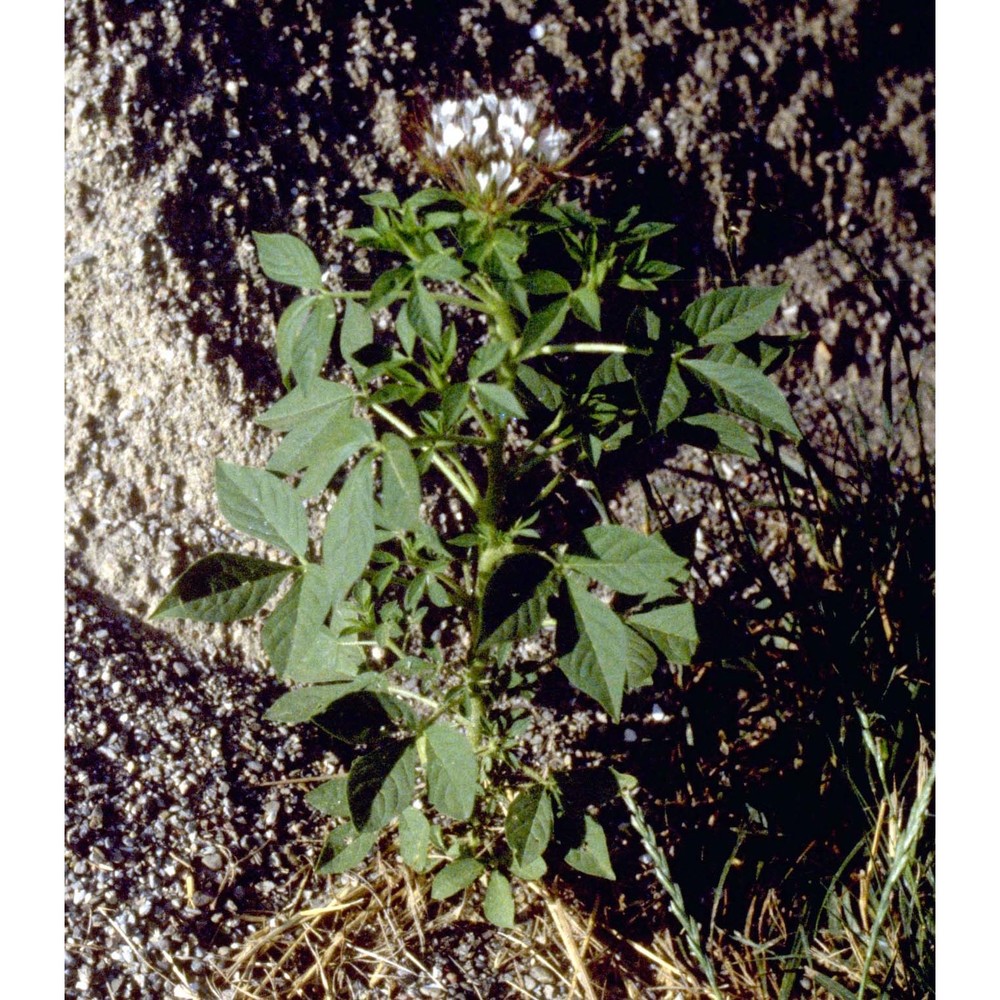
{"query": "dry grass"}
(377, 934)
(373, 934)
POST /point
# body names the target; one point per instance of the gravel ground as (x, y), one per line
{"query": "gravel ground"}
(788, 141)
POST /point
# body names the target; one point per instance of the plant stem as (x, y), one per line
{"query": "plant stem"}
(586, 347)
(503, 327)
(456, 475)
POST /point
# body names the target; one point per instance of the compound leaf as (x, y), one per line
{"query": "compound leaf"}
(222, 587)
(262, 505)
(455, 877)
(729, 315)
(671, 629)
(628, 561)
(380, 784)
(414, 838)
(290, 632)
(747, 392)
(529, 824)
(498, 903)
(349, 537)
(345, 848)
(302, 341)
(590, 856)
(594, 648)
(400, 485)
(452, 771)
(287, 259)
(516, 598)
(330, 798)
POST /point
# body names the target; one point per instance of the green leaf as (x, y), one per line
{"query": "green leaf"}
(662, 397)
(628, 561)
(529, 822)
(499, 400)
(305, 703)
(545, 283)
(287, 259)
(262, 505)
(440, 267)
(593, 660)
(306, 403)
(540, 386)
(427, 196)
(640, 662)
(400, 494)
(414, 838)
(455, 877)
(349, 538)
(516, 598)
(530, 872)
(586, 307)
(222, 587)
(748, 393)
(646, 231)
(674, 398)
(325, 656)
(387, 286)
(730, 437)
(305, 330)
(438, 220)
(671, 629)
(591, 855)
(487, 358)
(330, 798)
(452, 771)
(498, 903)
(359, 718)
(319, 448)
(543, 326)
(356, 332)
(290, 633)
(405, 331)
(454, 400)
(345, 848)
(425, 314)
(380, 784)
(381, 199)
(729, 315)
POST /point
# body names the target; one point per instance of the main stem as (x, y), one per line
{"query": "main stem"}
(503, 327)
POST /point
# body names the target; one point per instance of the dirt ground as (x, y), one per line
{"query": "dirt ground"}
(788, 141)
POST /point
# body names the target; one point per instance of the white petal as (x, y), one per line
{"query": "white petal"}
(500, 171)
(483, 180)
(514, 185)
(452, 135)
(479, 126)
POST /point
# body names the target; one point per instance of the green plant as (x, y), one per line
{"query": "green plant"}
(515, 422)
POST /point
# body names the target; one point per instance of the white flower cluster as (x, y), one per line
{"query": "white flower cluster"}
(493, 141)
